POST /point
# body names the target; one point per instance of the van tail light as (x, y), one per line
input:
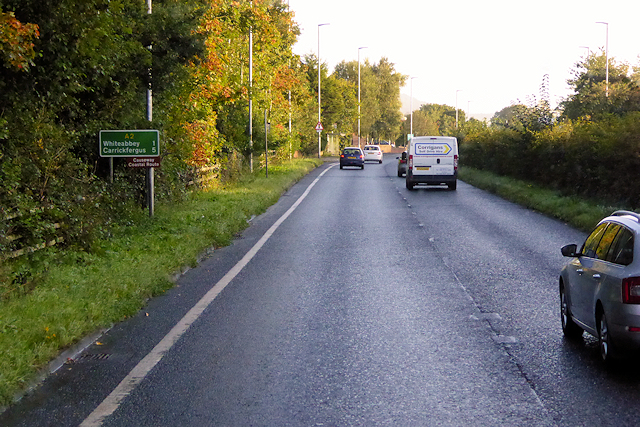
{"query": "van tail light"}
(410, 161)
(631, 290)
(455, 162)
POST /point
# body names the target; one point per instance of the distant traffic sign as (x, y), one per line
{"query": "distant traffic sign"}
(319, 127)
(129, 143)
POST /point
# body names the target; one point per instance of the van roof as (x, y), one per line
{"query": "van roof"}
(433, 137)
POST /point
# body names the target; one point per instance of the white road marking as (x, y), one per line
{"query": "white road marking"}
(142, 369)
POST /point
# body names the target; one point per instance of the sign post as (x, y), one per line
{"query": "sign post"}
(142, 147)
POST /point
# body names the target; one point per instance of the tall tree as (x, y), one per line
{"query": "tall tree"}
(389, 81)
(380, 97)
(589, 98)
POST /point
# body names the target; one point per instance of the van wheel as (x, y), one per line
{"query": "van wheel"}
(409, 185)
(453, 186)
(380, 161)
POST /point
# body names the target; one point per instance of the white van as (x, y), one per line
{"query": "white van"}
(432, 160)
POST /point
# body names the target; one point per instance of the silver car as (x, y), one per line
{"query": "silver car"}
(600, 286)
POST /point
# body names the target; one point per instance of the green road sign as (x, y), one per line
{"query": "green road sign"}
(129, 143)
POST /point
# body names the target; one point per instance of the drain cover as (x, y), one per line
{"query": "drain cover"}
(90, 357)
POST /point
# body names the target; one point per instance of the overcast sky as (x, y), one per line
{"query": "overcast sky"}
(495, 52)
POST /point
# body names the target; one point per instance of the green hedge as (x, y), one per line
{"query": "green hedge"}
(593, 159)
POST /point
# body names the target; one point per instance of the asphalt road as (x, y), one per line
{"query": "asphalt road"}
(368, 305)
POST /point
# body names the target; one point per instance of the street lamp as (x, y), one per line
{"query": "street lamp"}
(364, 47)
(588, 50)
(457, 90)
(290, 148)
(150, 176)
(251, 96)
(411, 105)
(606, 55)
(319, 73)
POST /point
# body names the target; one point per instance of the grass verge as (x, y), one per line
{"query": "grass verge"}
(579, 212)
(81, 293)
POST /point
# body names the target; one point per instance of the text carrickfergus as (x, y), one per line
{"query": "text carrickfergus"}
(123, 147)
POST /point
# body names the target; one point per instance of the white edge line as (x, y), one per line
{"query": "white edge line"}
(142, 369)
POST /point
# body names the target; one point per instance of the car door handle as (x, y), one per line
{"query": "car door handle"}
(596, 276)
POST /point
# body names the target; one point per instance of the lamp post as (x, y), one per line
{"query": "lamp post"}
(468, 111)
(150, 176)
(411, 105)
(319, 73)
(359, 93)
(457, 90)
(588, 50)
(606, 55)
(251, 96)
(290, 148)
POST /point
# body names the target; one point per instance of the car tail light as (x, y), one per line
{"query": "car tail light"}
(342, 156)
(631, 290)
(410, 161)
(455, 162)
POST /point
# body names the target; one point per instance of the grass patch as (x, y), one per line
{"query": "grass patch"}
(578, 212)
(80, 293)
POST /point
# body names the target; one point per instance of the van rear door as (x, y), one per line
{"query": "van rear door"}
(434, 156)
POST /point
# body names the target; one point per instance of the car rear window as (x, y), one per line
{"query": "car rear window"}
(351, 152)
(621, 251)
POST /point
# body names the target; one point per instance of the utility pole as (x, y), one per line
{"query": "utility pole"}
(150, 177)
(251, 95)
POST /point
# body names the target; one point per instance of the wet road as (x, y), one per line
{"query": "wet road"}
(368, 305)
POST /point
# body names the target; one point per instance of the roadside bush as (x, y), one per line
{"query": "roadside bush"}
(593, 159)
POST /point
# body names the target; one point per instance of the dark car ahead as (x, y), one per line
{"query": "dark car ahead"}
(402, 164)
(352, 156)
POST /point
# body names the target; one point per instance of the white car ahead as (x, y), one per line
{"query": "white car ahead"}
(373, 153)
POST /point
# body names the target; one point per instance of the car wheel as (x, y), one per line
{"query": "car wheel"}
(569, 327)
(362, 167)
(380, 161)
(604, 340)
(399, 174)
(340, 166)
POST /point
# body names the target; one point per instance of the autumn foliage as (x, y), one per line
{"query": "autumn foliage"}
(72, 68)
(16, 41)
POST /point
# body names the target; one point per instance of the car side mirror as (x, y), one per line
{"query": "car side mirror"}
(570, 250)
